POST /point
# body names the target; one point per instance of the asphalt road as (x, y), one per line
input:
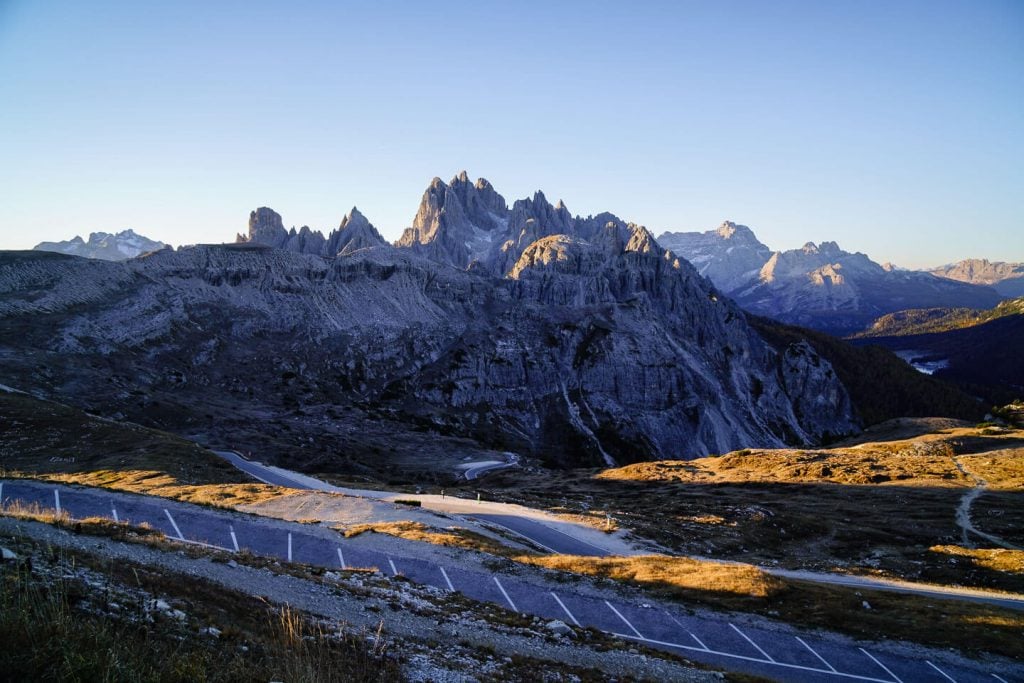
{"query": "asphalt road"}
(782, 654)
(543, 535)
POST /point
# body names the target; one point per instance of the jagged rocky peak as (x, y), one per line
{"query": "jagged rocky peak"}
(266, 227)
(355, 232)
(105, 246)
(730, 255)
(458, 222)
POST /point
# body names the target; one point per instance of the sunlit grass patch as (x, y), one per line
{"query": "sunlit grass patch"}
(997, 559)
(679, 576)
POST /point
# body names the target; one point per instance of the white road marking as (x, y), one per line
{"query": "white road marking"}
(446, 579)
(114, 511)
(289, 546)
(823, 661)
(56, 499)
(894, 676)
(564, 608)
(745, 658)
(502, 589)
(394, 570)
(234, 539)
(625, 620)
(756, 646)
(174, 524)
(948, 677)
(690, 633)
(341, 559)
(999, 678)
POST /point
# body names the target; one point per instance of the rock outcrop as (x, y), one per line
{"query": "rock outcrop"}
(105, 246)
(355, 232)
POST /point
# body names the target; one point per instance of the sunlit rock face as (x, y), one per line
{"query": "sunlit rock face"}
(1005, 278)
(578, 340)
(818, 285)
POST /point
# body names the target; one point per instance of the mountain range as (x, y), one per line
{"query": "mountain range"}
(819, 285)
(103, 245)
(578, 340)
(1005, 278)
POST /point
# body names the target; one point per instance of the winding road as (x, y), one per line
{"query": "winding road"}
(756, 647)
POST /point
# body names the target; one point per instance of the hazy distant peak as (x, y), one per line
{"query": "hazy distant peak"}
(104, 245)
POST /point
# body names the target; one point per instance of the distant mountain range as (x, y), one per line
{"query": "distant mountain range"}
(1005, 278)
(818, 286)
(103, 245)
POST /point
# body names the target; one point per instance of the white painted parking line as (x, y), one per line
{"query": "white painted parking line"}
(234, 539)
(56, 499)
(756, 646)
(813, 652)
(690, 633)
(341, 559)
(564, 608)
(999, 678)
(502, 589)
(894, 676)
(174, 524)
(745, 658)
(624, 620)
(446, 579)
(394, 570)
(113, 510)
(948, 677)
(289, 546)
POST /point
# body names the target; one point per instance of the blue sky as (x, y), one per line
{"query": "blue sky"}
(894, 128)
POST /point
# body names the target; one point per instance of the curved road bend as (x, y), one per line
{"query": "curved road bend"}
(761, 648)
(546, 537)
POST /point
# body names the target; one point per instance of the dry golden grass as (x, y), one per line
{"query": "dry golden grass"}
(454, 537)
(921, 460)
(675, 576)
(93, 526)
(54, 442)
(160, 484)
(997, 559)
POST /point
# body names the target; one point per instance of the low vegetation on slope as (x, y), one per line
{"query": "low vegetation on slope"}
(885, 504)
(881, 386)
(931, 320)
(61, 621)
(47, 440)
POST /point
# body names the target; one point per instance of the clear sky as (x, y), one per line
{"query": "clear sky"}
(895, 128)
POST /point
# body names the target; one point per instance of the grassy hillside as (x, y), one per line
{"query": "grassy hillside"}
(47, 440)
(931, 320)
(884, 503)
(882, 386)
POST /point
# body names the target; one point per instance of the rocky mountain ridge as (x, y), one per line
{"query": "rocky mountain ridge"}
(355, 232)
(1005, 278)
(583, 347)
(820, 286)
(104, 245)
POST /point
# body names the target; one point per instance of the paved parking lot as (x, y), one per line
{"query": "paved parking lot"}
(780, 655)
